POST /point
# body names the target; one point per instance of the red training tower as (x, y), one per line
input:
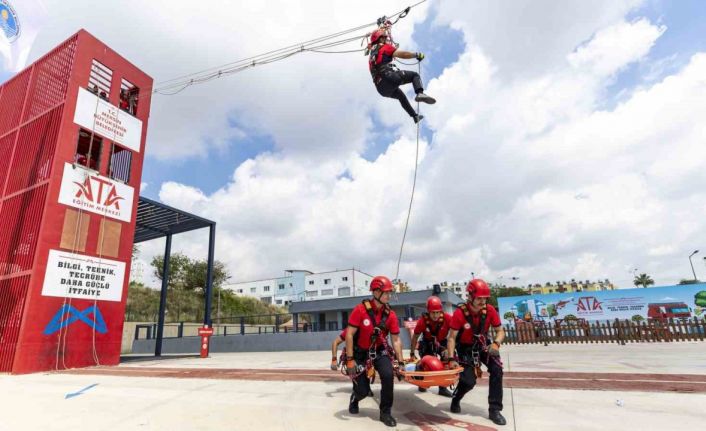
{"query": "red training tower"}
(72, 142)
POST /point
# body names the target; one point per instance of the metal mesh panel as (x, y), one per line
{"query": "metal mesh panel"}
(50, 79)
(20, 219)
(13, 96)
(36, 146)
(120, 162)
(6, 144)
(12, 300)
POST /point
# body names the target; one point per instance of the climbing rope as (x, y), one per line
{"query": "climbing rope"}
(317, 45)
(414, 186)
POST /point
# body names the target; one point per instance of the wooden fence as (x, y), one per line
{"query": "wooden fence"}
(616, 331)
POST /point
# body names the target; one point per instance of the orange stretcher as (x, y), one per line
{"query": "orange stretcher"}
(427, 379)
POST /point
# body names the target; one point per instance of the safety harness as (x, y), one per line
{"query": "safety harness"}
(479, 338)
(378, 69)
(435, 343)
(372, 353)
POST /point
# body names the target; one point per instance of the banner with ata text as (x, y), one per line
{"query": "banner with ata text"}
(639, 304)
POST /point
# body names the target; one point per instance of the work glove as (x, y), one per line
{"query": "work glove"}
(494, 349)
(334, 363)
(445, 355)
(396, 369)
(419, 56)
(351, 367)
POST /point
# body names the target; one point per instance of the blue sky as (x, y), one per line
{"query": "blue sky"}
(442, 46)
(517, 134)
(685, 35)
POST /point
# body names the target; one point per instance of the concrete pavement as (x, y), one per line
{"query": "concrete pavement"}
(39, 401)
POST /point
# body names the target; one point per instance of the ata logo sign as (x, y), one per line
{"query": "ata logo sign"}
(86, 190)
(73, 315)
(588, 304)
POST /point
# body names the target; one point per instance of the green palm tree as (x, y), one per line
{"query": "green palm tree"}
(509, 316)
(643, 280)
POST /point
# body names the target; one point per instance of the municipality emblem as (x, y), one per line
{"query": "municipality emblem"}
(9, 23)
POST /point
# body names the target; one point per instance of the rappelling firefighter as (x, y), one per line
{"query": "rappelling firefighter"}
(433, 328)
(468, 337)
(388, 78)
(367, 348)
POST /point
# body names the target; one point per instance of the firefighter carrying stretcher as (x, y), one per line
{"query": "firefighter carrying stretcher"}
(433, 328)
(367, 349)
(469, 337)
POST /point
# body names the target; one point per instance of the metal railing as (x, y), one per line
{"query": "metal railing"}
(238, 325)
(616, 331)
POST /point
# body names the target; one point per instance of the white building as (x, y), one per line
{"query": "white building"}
(302, 285)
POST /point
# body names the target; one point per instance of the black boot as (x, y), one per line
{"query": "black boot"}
(496, 417)
(421, 97)
(417, 118)
(455, 405)
(353, 405)
(444, 392)
(421, 389)
(387, 419)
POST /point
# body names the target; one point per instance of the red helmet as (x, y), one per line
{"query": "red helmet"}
(381, 282)
(431, 363)
(434, 304)
(377, 34)
(478, 288)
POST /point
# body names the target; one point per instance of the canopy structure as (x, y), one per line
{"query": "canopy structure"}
(155, 220)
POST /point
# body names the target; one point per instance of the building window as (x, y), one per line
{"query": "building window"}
(344, 291)
(120, 161)
(279, 302)
(100, 79)
(129, 95)
(281, 287)
(88, 151)
(344, 278)
(240, 290)
(266, 288)
(310, 293)
(266, 299)
(290, 284)
(326, 292)
(366, 282)
(327, 281)
(311, 282)
(253, 289)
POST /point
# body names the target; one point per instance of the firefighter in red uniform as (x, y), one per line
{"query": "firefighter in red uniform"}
(366, 344)
(468, 337)
(388, 78)
(433, 328)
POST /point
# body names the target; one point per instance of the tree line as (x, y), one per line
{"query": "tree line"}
(186, 288)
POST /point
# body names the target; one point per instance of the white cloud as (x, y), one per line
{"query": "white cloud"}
(616, 46)
(519, 135)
